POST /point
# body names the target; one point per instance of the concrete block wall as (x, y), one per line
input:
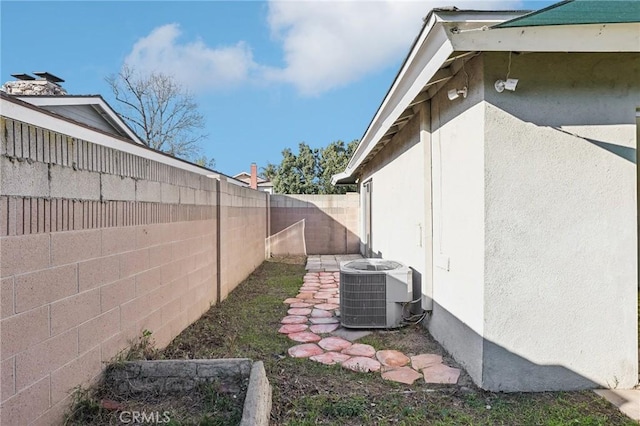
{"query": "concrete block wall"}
(97, 245)
(243, 231)
(331, 221)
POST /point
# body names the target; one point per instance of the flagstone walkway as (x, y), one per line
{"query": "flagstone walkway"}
(313, 322)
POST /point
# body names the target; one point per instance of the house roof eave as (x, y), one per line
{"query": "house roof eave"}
(95, 101)
(453, 35)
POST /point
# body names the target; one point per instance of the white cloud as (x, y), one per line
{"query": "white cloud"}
(193, 64)
(329, 44)
(325, 44)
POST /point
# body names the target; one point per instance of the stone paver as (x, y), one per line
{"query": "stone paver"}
(300, 305)
(323, 328)
(294, 319)
(421, 361)
(320, 313)
(304, 296)
(334, 344)
(360, 349)
(330, 358)
(318, 303)
(392, 358)
(332, 320)
(304, 337)
(440, 373)
(292, 328)
(299, 311)
(327, 306)
(406, 375)
(305, 351)
(361, 364)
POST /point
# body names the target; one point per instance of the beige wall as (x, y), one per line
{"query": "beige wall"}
(97, 245)
(331, 221)
(534, 217)
(458, 219)
(243, 230)
(561, 215)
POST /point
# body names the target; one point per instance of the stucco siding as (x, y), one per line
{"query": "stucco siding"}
(458, 219)
(397, 201)
(560, 299)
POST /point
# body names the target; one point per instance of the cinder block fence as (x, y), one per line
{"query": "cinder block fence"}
(98, 244)
(102, 238)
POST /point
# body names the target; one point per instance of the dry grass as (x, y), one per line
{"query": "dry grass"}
(307, 393)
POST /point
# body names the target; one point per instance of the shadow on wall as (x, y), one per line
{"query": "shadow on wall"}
(289, 241)
(494, 367)
(315, 224)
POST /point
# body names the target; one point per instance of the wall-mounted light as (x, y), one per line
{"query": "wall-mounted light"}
(455, 93)
(509, 84)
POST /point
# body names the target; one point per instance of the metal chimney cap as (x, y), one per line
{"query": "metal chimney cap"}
(24, 77)
(49, 77)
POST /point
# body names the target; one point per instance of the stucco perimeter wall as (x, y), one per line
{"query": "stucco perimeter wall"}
(97, 245)
(243, 230)
(331, 221)
(561, 214)
(457, 140)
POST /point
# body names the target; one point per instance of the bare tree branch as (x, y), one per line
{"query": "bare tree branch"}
(160, 111)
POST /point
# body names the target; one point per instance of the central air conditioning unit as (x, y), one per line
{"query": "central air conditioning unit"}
(374, 293)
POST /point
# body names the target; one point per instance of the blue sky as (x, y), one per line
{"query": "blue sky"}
(267, 75)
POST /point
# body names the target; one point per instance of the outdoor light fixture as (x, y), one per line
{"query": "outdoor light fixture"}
(455, 93)
(509, 84)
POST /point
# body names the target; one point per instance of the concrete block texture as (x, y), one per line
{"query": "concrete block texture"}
(74, 184)
(117, 188)
(24, 178)
(148, 191)
(331, 221)
(257, 403)
(171, 376)
(22, 254)
(46, 286)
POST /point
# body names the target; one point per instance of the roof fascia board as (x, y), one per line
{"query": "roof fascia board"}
(32, 116)
(433, 49)
(624, 37)
(114, 118)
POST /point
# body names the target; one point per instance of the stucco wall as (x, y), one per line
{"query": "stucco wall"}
(561, 237)
(96, 245)
(457, 139)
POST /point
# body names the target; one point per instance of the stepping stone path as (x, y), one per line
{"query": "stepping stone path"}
(313, 312)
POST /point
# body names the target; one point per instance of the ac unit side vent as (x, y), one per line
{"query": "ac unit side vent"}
(363, 300)
(373, 293)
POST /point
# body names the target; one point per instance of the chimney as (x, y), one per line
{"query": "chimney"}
(254, 176)
(46, 84)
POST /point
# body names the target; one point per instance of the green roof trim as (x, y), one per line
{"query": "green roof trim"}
(576, 12)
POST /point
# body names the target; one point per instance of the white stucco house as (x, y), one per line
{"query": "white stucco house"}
(517, 209)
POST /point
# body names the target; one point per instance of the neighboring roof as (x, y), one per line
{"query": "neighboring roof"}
(448, 39)
(572, 12)
(26, 112)
(97, 102)
(246, 177)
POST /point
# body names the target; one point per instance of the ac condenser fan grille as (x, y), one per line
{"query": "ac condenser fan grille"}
(363, 300)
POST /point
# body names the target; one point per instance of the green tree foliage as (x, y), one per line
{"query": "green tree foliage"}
(310, 171)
